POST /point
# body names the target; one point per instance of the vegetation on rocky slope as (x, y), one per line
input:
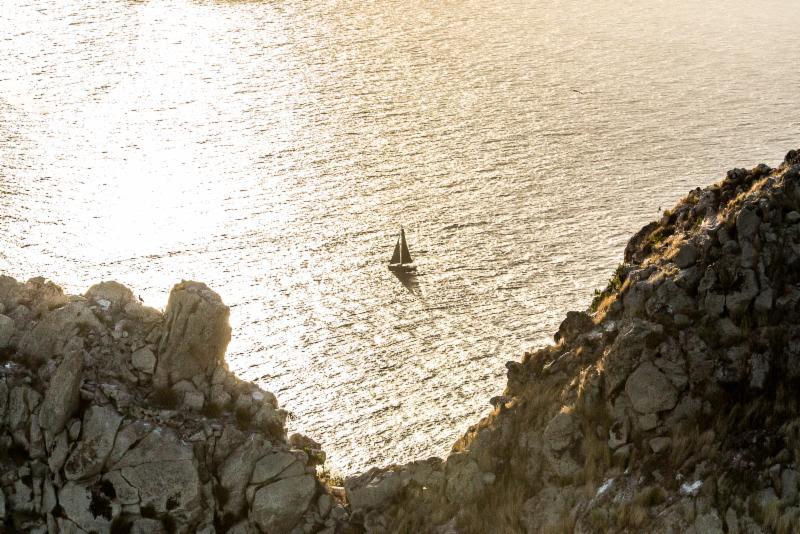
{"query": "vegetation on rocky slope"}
(672, 407)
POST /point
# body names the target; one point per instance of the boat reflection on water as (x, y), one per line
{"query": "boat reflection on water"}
(409, 281)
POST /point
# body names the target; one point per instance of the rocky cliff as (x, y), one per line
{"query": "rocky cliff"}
(670, 406)
(115, 417)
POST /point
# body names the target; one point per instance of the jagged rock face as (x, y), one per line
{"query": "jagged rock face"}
(89, 443)
(672, 407)
(197, 334)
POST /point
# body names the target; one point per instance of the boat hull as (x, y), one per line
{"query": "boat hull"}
(402, 268)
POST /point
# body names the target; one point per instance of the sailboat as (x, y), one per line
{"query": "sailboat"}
(401, 261)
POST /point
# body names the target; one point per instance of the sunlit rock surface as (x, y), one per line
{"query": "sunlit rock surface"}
(116, 418)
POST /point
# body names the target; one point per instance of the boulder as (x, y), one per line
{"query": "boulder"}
(110, 297)
(686, 256)
(649, 390)
(58, 328)
(560, 431)
(144, 360)
(464, 479)
(235, 472)
(623, 355)
(163, 471)
(576, 323)
(196, 334)
(280, 506)
(81, 507)
(747, 223)
(63, 395)
(100, 424)
(373, 489)
(270, 466)
(545, 511)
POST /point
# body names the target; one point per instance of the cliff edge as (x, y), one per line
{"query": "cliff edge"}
(670, 406)
(117, 418)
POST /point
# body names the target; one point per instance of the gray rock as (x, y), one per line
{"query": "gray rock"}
(6, 331)
(373, 489)
(560, 431)
(575, 324)
(763, 302)
(686, 256)
(714, 304)
(544, 512)
(63, 393)
(143, 525)
(219, 397)
(789, 481)
(464, 479)
(196, 334)
(75, 500)
(100, 424)
(324, 505)
(128, 435)
(747, 223)
(731, 521)
(280, 506)
(658, 445)
(759, 369)
(162, 469)
(618, 434)
(649, 390)
(58, 454)
(738, 302)
(728, 332)
(648, 421)
(625, 351)
(708, 523)
(144, 360)
(193, 400)
(111, 296)
(270, 466)
(236, 471)
(58, 327)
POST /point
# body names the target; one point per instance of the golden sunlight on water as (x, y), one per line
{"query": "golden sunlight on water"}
(272, 150)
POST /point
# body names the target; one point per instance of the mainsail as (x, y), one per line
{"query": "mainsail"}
(401, 253)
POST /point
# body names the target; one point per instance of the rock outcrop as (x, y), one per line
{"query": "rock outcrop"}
(116, 418)
(670, 406)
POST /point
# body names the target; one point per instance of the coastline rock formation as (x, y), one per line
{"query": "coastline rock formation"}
(116, 418)
(670, 406)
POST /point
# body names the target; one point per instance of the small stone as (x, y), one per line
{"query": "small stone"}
(763, 302)
(144, 360)
(660, 444)
(648, 421)
(618, 434)
(792, 217)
